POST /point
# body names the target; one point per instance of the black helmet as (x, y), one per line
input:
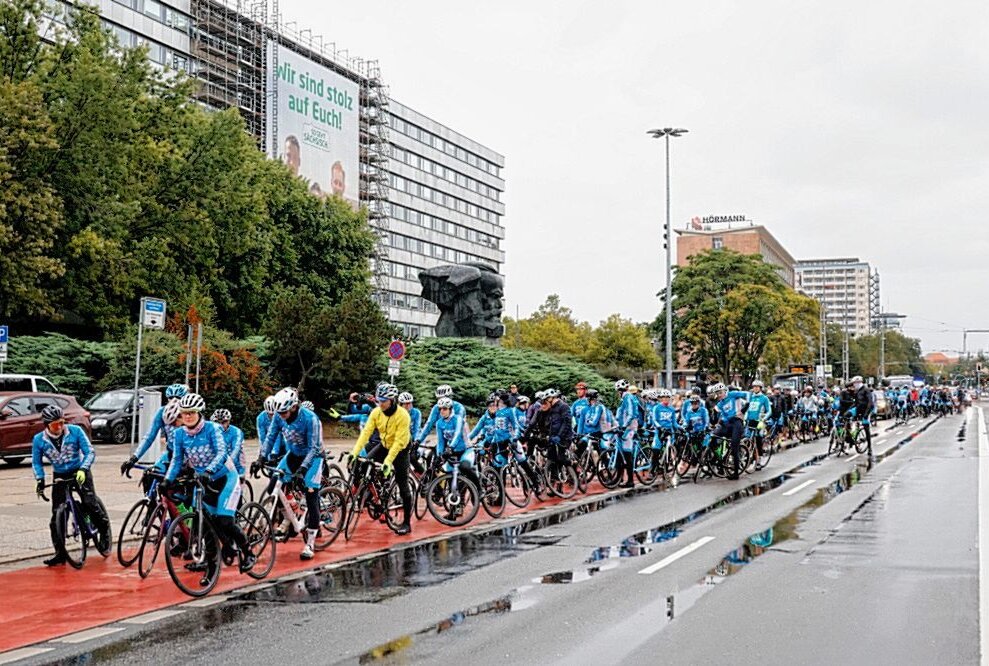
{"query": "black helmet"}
(51, 413)
(592, 394)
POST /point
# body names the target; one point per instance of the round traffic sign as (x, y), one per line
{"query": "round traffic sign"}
(396, 350)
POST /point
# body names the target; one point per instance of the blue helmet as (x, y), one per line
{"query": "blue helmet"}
(176, 391)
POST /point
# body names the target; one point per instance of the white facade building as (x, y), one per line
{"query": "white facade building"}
(842, 285)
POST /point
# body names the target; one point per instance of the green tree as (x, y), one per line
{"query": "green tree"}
(74, 366)
(552, 328)
(621, 343)
(733, 315)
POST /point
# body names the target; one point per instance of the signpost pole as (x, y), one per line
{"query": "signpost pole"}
(137, 375)
(188, 353)
(199, 354)
(4, 339)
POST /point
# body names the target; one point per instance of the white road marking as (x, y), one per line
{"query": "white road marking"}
(855, 456)
(983, 534)
(803, 485)
(88, 635)
(670, 559)
(11, 656)
(153, 616)
(205, 602)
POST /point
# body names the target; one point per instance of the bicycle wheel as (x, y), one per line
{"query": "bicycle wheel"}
(518, 489)
(332, 517)
(394, 511)
(609, 471)
(195, 569)
(69, 534)
(492, 492)
(562, 480)
(255, 522)
(453, 509)
(151, 539)
(833, 442)
(861, 443)
(246, 492)
(643, 466)
(419, 504)
(588, 466)
(132, 531)
(354, 509)
(108, 538)
(768, 448)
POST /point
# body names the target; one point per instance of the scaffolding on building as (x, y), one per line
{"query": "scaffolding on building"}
(875, 306)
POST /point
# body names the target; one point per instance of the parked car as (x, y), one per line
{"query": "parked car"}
(111, 412)
(32, 383)
(883, 408)
(20, 420)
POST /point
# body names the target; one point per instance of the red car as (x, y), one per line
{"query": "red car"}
(20, 420)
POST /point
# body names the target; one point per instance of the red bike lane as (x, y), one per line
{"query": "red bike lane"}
(42, 603)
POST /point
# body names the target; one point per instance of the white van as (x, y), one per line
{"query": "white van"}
(32, 383)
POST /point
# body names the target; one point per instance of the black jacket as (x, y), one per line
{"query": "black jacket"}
(863, 401)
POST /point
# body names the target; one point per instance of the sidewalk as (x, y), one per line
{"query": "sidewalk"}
(24, 536)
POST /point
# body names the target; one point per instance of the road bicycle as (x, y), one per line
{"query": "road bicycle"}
(451, 499)
(73, 526)
(287, 506)
(847, 433)
(195, 566)
(369, 490)
(492, 487)
(610, 465)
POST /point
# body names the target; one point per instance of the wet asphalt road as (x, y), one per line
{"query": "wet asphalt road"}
(832, 562)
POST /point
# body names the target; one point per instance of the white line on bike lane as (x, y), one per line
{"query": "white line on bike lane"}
(803, 485)
(670, 559)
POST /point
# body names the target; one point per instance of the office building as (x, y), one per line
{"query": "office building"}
(842, 285)
(433, 195)
(744, 237)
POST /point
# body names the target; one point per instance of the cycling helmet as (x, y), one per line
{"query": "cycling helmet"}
(405, 398)
(492, 398)
(269, 404)
(386, 392)
(663, 393)
(695, 397)
(856, 378)
(621, 385)
(51, 413)
(286, 399)
(176, 391)
(758, 383)
(221, 415)
(307, 404)
(444, 403)
(592, 394)
(540, 395)
(522, 399)
(444, 391)
(777, 387)
(717, 388)
(192, 402)
(696, 390)
(171, 412)
(580, 385)
(551, 393)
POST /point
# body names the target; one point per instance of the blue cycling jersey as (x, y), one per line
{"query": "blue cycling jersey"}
(731, 405)
(415, 420)
(264, 423)
(577, 409)
(434, 415)
(593, 420)
(73, 453)
(759, 407)
(234, 438)
(628, 410)
(450, 434)
(202, 448)
(485, 425)
(303, 436)
(158, 426)
(695, 420)
(664, 417)
(502, 426)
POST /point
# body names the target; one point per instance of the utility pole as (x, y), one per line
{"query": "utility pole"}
(667, 243)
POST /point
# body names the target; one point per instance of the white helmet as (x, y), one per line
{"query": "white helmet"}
(444, 391)
(192, 402)
(404, 398)
(551, 393)
(444, 403)
(717, 388)
(171, 412)
(540, 395)
(621, 385)
(286, 399)
(308, 404)
(757, 382)
(663, 393)
(269, 404)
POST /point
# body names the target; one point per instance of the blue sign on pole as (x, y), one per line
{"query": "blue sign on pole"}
(154, 313)
(3, 335)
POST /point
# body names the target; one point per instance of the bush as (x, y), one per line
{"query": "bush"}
(474, 369)
(74, 366)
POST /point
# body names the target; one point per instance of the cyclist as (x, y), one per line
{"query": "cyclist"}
(486, 424)
(533, 410)
(554, 425)
(521, 406)
(164, 423)
(67, 448)
(451, 437)
(758, 412)
(303, 435)
(443, 391)
(729, 406)
(405, 401)
(629, 416)
(778, 403)
(596, 421)
(580, 404)
(199, 444)
(807, 408)
(502, 438)
(696, 420)
(394, 427)
(865, 407)
(263, 423)
(664, 419)
(234, 439)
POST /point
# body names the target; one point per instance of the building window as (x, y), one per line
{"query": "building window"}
(717, 242)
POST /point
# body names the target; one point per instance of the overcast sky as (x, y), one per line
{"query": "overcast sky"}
(847, 128)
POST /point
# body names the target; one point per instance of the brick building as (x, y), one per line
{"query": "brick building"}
(748, 239)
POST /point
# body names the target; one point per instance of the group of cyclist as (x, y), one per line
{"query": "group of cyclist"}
(393, 434)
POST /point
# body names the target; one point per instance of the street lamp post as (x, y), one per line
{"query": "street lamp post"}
(666, 133)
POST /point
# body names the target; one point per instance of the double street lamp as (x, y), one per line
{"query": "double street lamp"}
(666, 133)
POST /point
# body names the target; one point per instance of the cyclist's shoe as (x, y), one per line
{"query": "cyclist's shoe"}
(229, 554)
(210, 571)
(307, 553)
(196, 566)
(55, 560)
(404, 528)
(675, 481)
(247, 562)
